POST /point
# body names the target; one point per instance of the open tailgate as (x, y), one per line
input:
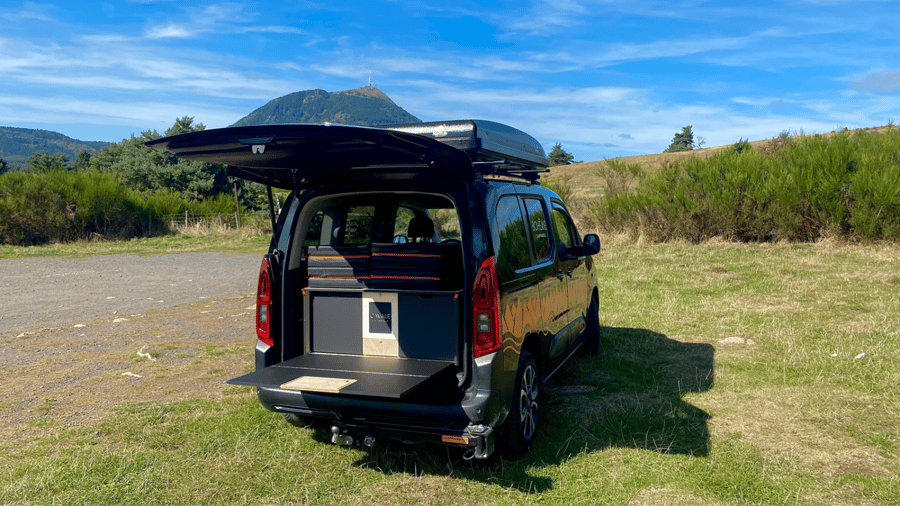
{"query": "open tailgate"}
(346, 374)
(285, 155)
(282, 155)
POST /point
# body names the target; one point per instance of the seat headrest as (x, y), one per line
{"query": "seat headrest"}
(422, 227)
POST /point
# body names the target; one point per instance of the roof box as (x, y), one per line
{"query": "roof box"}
(484, 141)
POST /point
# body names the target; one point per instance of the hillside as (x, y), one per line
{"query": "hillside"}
(366, 106)
(588, 184)
(17, 144)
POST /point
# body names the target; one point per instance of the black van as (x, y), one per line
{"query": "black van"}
(420, 283)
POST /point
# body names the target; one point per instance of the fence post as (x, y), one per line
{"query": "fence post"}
(185, 218)
(237, 206)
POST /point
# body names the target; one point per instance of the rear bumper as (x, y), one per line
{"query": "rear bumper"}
(438, 411)
(408, 421)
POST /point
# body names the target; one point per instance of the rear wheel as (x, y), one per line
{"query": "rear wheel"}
(592, 332)
(521, 424)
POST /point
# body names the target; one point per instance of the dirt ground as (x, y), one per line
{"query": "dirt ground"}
(79, 337)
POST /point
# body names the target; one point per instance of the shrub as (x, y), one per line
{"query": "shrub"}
(59, 205)
(741, 145)
(845, 184)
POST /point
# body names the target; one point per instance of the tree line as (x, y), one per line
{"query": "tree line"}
(149, 170)
(126, 190)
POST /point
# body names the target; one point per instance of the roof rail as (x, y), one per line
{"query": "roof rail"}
(508, 168)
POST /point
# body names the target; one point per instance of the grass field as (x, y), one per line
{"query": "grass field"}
(731, 374)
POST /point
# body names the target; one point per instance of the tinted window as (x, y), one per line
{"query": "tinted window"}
(537, 220)
(446, 223)
(401, 222)
(513, 254)
(561, 227)
(359, 225)
(314, 232)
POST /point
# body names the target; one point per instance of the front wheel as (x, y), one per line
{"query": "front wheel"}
(521, 424)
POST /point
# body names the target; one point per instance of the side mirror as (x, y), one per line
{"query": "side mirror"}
(591, 244)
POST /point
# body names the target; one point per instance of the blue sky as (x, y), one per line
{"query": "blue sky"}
(603, 78)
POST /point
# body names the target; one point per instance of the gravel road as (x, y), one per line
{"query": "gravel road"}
(51, 292)
(80, 337)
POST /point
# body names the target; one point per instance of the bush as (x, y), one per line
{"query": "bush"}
(844, 184)
(59, 206)
(741, 145)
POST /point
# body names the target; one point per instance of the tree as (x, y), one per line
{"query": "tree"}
(150, 170)
(184, 125)
(82, 162)
(683, 141)
(4, 167)
(559, 156)
(44, 162)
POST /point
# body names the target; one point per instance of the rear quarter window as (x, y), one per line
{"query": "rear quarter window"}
(513, 251)
(537, 221)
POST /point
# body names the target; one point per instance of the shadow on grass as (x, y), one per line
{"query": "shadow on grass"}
(638, 379)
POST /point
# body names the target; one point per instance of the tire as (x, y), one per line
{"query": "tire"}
(297, 420)
(521, 425)
(592, 331)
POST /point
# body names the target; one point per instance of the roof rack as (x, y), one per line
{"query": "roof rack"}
(508, 168)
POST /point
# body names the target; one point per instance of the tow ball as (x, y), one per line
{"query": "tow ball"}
(340, 437)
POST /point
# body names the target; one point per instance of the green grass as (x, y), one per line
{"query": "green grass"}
(676, 417)
(230, 242)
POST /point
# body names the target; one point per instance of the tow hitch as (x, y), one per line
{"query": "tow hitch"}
(340, 437)
(481, 439)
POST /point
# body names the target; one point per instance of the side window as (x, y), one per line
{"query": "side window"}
(561, 227)
(513, 254)
(314, 232)
(401, 222)
(358, 229)
(537, 220)
(446, 223)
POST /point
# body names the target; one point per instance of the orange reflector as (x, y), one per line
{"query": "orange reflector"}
(457, 440)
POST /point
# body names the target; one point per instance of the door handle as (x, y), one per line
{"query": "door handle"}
(569, 272)
(560, 276)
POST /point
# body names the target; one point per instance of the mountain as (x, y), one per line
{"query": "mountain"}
(17, 144)
(367, 106)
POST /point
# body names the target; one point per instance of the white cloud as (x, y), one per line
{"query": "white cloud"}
(170, 32)
(216, 19)
(144, 114)
(885, 81)
(29, 11)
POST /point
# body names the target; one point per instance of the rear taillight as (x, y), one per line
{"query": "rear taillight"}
(264, 303)
(486, 310)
